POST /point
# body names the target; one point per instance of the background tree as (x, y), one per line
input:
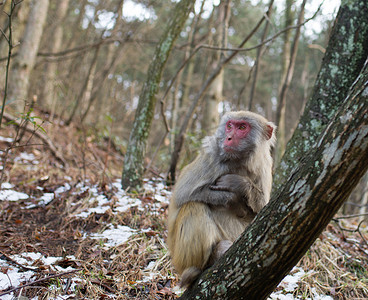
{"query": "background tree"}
(23, 64)
(281, 107)
(214, 95)
(134, 158)
(55, 42)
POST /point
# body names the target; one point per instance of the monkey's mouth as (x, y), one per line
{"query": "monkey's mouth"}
(229, 149)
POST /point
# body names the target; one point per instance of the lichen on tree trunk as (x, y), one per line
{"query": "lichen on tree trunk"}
(134, 157)
(344, 58)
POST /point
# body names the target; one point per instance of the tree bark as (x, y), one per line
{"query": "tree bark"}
(133, 161)
(24, 62)
(48, 100)
(113, 56)
(210, 117)
(284, 230)
(85, 91)
(280, 112)
(258, 62)
(345, 55)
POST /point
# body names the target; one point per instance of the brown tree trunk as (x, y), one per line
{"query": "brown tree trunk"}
(114, 55)
(179, 104)
(48, 99)
(86, 88)
(257, 63)
(23, 63)
(281, 107)
(210, 116)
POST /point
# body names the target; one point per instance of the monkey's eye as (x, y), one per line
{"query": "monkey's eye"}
(242, 126)
(229, 126)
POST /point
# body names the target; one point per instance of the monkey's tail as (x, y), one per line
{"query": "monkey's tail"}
(189, 276)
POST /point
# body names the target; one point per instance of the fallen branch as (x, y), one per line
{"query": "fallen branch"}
(55, 152)
(39, 280)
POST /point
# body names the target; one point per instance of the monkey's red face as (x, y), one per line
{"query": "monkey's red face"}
(235, 131)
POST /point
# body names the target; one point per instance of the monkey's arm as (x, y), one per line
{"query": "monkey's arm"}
(194, 185)
(211, 196)
(244, 188)
(202, 192)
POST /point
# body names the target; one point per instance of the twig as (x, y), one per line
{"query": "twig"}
(336, 220)
(39, 280)
(8, 258)
(41, 136)
(350, 216)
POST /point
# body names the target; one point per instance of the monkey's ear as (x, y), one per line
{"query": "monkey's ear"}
(269, 131)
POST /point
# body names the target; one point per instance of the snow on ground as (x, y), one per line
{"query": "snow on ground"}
(115, 236)
(289, 284)
(12, 275)
(7, 193)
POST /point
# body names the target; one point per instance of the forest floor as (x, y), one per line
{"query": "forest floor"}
(69, 231)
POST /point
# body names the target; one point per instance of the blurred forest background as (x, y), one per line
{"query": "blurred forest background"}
(72, 76)
(85, 62)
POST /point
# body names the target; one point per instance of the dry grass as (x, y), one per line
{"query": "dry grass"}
(337, 264)
(140, 268)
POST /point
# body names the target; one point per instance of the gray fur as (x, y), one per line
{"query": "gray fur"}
(253, 163)
(218, 195)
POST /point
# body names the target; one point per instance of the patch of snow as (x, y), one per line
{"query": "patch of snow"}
(11, 195)
(290, 283)
(127, 202)
(148, 272)
(115, 236)
(4, 139)
(25, 157)
(12, 276)
(62, 189)
(159, 190)
(6, 185)
(101, 207)
(46, 198)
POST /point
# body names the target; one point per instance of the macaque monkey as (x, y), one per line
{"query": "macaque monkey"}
(220, 192)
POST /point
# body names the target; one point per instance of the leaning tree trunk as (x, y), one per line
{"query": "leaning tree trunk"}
(133, 161)
(24, 61)
(285, 229)
(345, 55)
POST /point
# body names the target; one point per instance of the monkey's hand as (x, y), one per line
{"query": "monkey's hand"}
(246, 191)
(230, 183)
